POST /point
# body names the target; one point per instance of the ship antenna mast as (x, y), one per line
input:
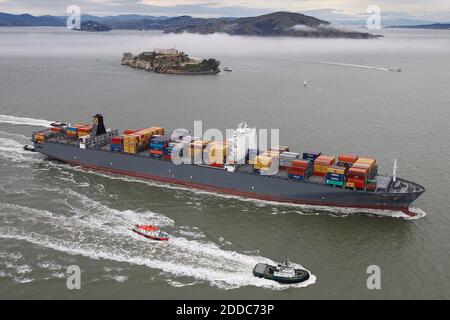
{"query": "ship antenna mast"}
(394, 171)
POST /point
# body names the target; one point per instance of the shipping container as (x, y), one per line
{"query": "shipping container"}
(311, 155)
(335, 176)
(348, 158)
(349, 184)
(153, 151)
(347, 165)
(322, 163)
(130, 131)
(117, 140)
(56, 129)
(369, 161)
(300, 163)
(358, 183)
(263, 161)
(280, 149)
(337, 169)
(335, 182)
(116, 147)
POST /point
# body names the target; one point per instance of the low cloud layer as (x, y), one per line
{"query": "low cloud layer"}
(62, 43)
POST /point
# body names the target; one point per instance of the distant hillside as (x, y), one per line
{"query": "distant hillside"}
(286, 24)
(434, 26)
(27, 20)
(276, 24)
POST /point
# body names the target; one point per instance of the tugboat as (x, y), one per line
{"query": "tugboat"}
(58, 124)
(151, 232)
(282, 273)
(29, 147)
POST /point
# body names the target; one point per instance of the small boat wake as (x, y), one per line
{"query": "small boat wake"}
(350, 65)
(100, 232)
(24, 121)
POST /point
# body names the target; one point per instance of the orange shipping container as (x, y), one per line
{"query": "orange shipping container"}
(325, 160)
(351, 158)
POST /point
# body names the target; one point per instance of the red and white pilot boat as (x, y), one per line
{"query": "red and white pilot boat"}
(151, 232)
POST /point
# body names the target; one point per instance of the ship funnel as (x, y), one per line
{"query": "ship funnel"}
(98, 128)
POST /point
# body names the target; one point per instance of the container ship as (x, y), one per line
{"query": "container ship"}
(276, 174)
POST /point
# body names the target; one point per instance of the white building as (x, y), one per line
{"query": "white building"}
(166, 51)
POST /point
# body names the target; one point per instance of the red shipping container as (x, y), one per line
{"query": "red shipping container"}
(156, 151)
(351, 158)
(297, 171)
(117, 140)
(359, 183)
(356, 176)
(130, 131)
(219, 165)
(319, 174)
(56, 129)
(300, 164)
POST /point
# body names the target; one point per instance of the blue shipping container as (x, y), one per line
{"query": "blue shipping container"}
(116, 147)
(156, 146)
(311, 155)
(335, 176)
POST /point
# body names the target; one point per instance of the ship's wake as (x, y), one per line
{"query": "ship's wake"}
(94, 230)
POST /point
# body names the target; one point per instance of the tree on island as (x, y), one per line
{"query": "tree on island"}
(210, 65)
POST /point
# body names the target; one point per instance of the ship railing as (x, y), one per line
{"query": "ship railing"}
(101, 140)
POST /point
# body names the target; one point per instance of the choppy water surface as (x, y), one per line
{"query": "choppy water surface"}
(53, 215)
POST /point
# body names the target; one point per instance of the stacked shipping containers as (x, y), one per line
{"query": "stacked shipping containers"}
(84, 130)
(265, 162)
(196, 149)
(71, 132)
(300, 169)
(336, 175)
(117, 144)
(216, 153)
(286, 159)
(311, 156)
(157, 145)
(360, 172)
(322, 163)
(137, 141)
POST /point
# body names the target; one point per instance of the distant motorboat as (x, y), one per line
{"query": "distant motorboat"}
(395, 69)
(305, 84)
(228, 69)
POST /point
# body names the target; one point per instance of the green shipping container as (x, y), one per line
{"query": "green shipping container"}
(335, 183)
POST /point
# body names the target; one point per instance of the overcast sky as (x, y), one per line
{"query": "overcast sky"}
(437, 10)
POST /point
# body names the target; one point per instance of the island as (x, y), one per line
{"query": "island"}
(170, 61)
(433, 26)
(93, 26)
